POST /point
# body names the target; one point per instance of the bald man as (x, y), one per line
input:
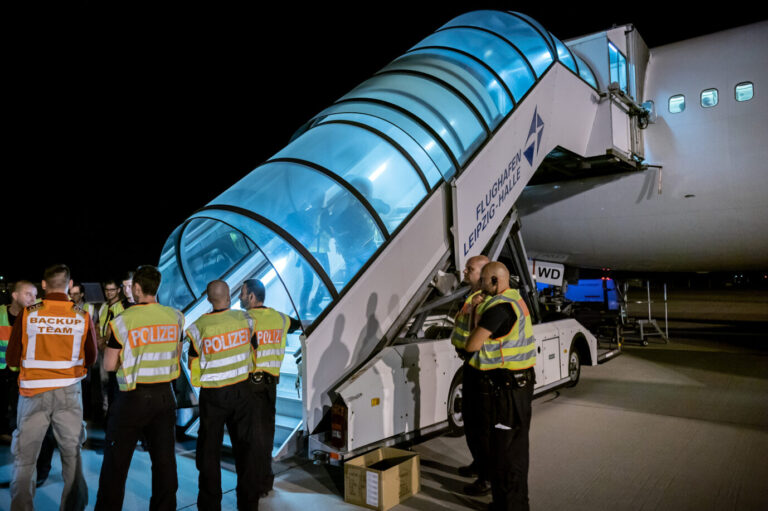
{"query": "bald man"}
(504, 348)
(220, 360)
(473, 382)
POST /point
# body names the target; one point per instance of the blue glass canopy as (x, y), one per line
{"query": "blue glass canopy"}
(308, 220)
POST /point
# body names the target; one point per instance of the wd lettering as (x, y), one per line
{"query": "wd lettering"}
(548, 273)
(153, 334)
(269, 336)
(227, 341)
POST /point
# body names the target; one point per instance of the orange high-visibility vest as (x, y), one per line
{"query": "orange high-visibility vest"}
(52, 346)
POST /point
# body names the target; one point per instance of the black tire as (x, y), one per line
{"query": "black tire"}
(574, 365)
(455, 395)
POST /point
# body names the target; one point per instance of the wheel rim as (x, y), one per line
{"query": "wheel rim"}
(573, 366)
(454, 406)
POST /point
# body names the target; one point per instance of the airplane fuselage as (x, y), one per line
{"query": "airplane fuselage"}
(705, 208)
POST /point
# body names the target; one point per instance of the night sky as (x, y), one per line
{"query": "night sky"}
(125, 120)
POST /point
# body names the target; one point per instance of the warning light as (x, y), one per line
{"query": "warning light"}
(375, 401)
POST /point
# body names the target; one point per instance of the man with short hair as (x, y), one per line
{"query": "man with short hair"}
(505, 350)
(23, 295)
(221, 360)
(104, 393)
(52, 343)
(270, 329)
(124, 301)
(474, 383)
(77, 295)
(144, 347)
(112, 294)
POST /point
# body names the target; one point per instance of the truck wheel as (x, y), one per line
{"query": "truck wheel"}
(574, 365)
(455, 418)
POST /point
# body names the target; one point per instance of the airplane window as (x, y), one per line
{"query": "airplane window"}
(709, 98)
(744, 91)
(676, 104)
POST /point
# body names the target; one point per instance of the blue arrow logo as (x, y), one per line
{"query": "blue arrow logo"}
(535, 133)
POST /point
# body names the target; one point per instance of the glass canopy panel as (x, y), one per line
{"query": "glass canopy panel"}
(209, 249)
(368, 162)
(173, 290)
(538, 27)
(618, 67)
(564, 54)
(585, 73)
(436, 105)
(317, 211)
(402, 138)
(459, 76)
(276, 263)
(492, 50)
(515, 30)
(421, 135)
(451, 60)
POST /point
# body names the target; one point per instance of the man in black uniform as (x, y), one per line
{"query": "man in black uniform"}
(505, 348)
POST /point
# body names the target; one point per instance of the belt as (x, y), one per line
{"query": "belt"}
(262, 377)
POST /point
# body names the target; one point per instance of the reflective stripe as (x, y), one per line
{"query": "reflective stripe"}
(273, 363)
(233, 373)
(271, 353)
(51, 364)
(42, 384)
(154, 371)
(222, 362)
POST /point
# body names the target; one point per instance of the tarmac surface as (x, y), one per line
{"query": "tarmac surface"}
(674, 426)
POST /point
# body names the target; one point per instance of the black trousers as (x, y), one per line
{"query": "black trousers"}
(234, 406)
(9, 399)
(476, 406)
(149, 410)
(509, 457)
(265, 394)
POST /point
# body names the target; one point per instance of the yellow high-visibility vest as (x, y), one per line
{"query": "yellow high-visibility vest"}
(516, 350)
(5, 334)
(150, 335)
(222, 341)
(270, 328)
(461, 325)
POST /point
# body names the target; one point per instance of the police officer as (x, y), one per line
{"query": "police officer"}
(221, 360)
(270, 329)
(52, 344)
(474, 383)
(144, 347)
(506, 351)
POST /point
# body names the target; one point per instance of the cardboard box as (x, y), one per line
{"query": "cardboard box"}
(382, 478)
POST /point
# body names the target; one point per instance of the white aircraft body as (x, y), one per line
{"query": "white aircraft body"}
(704, 208)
